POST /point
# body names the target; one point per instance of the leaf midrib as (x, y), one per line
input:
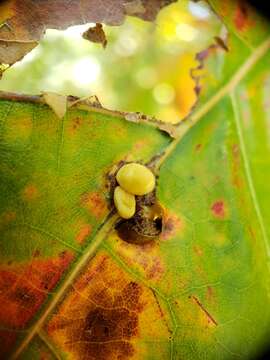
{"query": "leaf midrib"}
(183, 128)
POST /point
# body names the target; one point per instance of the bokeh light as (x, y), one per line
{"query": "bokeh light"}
(145, 66)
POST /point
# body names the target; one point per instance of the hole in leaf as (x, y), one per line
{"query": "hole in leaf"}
(146, 225)
(145, 66)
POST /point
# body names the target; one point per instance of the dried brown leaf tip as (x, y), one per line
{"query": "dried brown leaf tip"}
(92, 100)
(13, 51)
(96, 34)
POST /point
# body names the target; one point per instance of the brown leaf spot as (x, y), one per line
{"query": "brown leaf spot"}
(46, 354)
(30, 192)
(156, 269)
(36, 253)
(171, 225)
(108, 308)
(24, 287)
(210, 319)
(198, 147)
(94, 203)
(83, 233)
(76, 123)
(218, 209)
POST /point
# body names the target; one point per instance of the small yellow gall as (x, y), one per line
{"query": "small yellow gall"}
(124, 202)
(136, 179)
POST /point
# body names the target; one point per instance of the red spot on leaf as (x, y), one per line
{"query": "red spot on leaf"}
(241, 17)
(210, 319)
(83, 233)
(94, 203)
(45, 355)
(30, 192)
(218, 209)
(24, 288)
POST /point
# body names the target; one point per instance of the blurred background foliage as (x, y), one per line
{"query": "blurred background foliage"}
(145, 66)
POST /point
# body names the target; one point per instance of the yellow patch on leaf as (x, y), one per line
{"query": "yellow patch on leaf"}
(145, 258)
(19, 128)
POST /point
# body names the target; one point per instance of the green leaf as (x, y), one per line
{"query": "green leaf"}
(55, 196)
(70, 287)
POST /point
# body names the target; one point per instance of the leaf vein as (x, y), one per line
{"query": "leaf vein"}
(249, 175)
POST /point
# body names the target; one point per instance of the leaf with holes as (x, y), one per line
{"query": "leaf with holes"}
(78, 284)
(22, 23)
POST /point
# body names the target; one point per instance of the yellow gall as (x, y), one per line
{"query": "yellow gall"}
(124, 202)
(136, 179)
